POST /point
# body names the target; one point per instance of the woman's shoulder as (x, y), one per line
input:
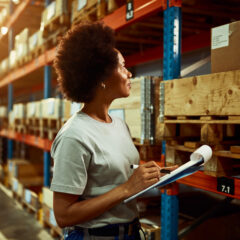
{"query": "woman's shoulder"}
(74, 127)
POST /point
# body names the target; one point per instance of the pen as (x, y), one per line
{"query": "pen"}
(135, 166)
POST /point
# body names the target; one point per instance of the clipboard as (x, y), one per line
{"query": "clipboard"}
(197, 160)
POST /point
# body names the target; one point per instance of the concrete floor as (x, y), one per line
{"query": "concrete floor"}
(16, 223)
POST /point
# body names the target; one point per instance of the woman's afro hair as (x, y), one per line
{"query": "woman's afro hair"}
(86, 56)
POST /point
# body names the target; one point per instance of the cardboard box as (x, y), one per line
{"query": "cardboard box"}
(47, 197)
(21, 44)
(3, 111)
(225, 51)
(4, 67)
(51, 108)
(19, 110)
(34, 109)
(12, 59)
(35, 40)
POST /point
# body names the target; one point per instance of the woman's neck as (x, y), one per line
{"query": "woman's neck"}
(97, 111)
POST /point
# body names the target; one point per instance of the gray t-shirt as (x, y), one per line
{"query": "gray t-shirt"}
(90, 159)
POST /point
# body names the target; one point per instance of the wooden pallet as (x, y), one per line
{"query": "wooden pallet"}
(94, 12)
(21, 61)
(49, 123)
(50, 41)
(148, 152)
(56, 23)
(223, 162)
(35, 122)
(20, 128)
(3, 123)
(47, 133)
(208, 129)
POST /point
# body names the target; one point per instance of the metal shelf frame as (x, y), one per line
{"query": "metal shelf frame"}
(117, 20)
(44, 144)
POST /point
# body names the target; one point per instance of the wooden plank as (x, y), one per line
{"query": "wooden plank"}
(222, 163)
(213, 94)
(192, 145)
(235, 149)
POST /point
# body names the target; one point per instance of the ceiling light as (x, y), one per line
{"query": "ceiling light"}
(4, 30)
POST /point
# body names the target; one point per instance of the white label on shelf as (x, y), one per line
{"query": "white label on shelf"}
(28, 196)
(51, 10)
(75, 107)
(81, 4)
(50, 107)
(118, 113)
(52, 219)
(220, 37)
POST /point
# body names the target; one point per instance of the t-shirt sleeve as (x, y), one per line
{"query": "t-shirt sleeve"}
(71, 160)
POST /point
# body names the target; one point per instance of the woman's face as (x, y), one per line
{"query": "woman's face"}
(119, 83)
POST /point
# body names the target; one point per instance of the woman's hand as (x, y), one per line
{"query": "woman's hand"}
(144, 176)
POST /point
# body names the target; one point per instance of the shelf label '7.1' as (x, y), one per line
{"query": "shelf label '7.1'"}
(225, 185)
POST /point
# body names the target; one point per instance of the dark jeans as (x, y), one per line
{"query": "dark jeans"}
(126, 231)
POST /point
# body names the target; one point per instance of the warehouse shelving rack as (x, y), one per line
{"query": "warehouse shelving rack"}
(117, 20)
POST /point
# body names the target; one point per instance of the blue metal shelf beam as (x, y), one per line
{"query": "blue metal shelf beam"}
(46, 155)
(171, 70)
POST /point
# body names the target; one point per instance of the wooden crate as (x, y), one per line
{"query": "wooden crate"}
(51, 120)
(215, 94)
(223, 162)
(21, 47)
(35, 42)
(54, 17)
(90, 10)
(130, 108)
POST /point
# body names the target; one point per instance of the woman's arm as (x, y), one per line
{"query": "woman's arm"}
(69, 211)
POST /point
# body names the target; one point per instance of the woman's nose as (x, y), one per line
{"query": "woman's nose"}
(129, 74)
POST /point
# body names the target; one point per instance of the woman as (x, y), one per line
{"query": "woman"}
(93, 152)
